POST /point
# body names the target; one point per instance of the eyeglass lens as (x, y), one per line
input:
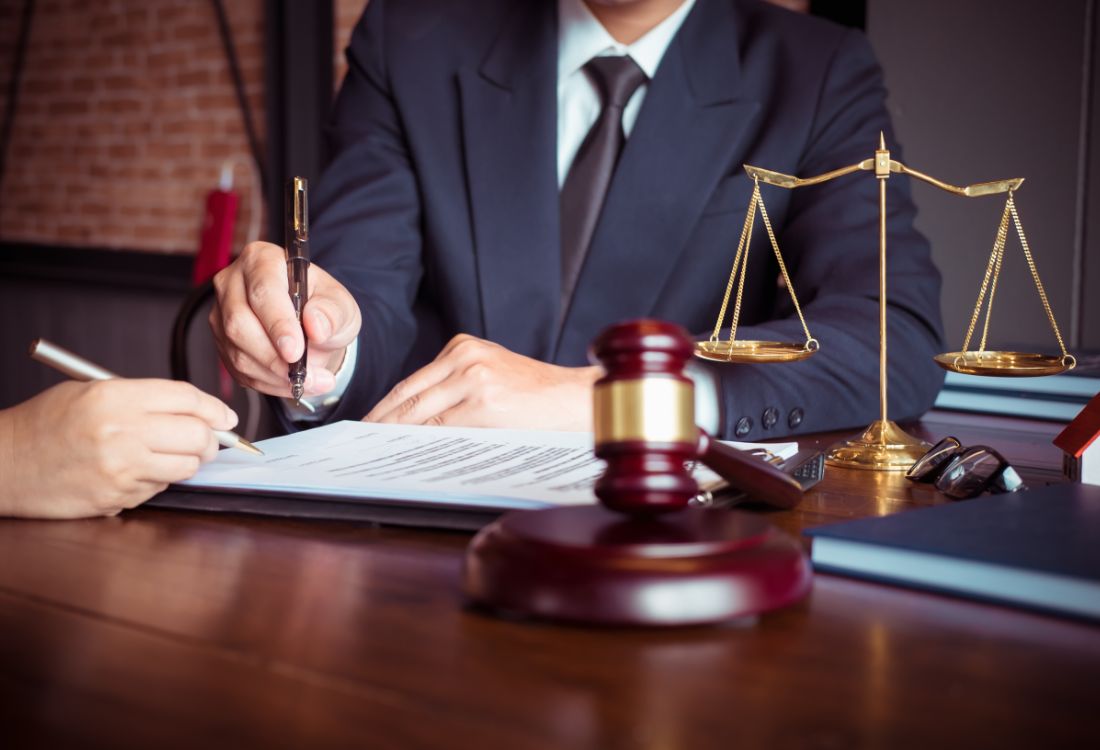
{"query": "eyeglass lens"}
(926, 469)
(970, 473)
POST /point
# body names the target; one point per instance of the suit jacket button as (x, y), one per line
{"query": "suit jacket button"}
(794, 418)
(770, 417)
(744, 425)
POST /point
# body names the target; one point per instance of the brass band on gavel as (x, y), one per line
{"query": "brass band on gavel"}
(644, 418)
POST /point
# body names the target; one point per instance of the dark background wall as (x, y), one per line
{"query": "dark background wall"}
(988, 89)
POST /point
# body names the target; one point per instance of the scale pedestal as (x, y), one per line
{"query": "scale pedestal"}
(883, 446)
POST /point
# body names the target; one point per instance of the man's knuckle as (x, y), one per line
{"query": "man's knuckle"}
(479, 372)
(259, 290)
(469, 348)
(239, 361)
(112, 466)
(221, 280)
(400, 390)
(253, 252)
(235, 325)
(408, 406)
(275, 363)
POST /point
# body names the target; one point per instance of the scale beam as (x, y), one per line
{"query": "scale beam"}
(968, 191)
(790, 181)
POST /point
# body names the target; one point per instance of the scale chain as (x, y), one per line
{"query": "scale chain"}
(1035, 274)
(1000, 253)
(998, 246)
(741, 277)
(783, 270)
(746, 232)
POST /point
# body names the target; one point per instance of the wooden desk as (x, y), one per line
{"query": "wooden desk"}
(163, 629)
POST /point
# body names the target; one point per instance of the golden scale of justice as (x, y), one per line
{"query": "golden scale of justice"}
(884, 446)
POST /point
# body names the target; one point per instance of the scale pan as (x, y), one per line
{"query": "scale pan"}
(1005, 364)
(753, 351)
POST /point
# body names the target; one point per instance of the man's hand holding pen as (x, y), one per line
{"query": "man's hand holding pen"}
(258, 334)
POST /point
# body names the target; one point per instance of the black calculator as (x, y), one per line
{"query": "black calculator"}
(807, 467)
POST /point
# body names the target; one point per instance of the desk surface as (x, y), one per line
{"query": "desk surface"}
(170, 629)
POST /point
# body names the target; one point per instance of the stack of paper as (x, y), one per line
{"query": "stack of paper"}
(491, 469)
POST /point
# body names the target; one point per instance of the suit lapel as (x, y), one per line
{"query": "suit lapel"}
(687, 137)
(509, 124)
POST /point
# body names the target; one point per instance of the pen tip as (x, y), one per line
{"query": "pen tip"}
(247, 446)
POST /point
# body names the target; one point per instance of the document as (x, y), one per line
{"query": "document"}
(462, 467)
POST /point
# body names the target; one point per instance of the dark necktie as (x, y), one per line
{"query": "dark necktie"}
(582, 195)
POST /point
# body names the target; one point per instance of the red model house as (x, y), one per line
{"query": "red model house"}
(1078, 440)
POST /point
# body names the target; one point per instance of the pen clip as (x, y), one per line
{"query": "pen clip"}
(297, 217)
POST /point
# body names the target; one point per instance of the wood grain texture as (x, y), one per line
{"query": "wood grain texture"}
(170, 629)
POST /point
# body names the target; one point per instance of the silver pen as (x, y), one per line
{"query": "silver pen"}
(78, 368)
(297, 271)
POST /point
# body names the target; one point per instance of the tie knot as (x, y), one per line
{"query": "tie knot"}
(617, 78)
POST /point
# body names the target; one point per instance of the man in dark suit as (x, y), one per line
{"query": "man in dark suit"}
(460, 286)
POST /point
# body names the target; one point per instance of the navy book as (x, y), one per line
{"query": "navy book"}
(1039, 548)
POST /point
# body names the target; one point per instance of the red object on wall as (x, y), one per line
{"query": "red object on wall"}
(216, 242)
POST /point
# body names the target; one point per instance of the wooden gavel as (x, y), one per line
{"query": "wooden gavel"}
(629, 560)
(644, 424)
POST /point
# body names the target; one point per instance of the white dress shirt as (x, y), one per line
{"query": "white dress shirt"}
(580, 38)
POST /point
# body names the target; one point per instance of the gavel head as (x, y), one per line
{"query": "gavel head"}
(644, 417)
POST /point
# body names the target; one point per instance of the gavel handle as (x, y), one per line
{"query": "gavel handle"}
(754, 476)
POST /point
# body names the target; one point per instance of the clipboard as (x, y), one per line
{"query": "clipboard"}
(369, 511)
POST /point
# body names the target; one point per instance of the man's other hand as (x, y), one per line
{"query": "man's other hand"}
(476, 383)
(257, 333)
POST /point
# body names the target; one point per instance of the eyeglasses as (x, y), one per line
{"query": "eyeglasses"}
(961, 473)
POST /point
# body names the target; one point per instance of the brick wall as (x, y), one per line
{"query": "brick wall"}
(126, 113)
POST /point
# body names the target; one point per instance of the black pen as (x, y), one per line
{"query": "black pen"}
(297, 271)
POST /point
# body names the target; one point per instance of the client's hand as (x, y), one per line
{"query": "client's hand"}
(93, 449)
(257, 333)
(476, 383)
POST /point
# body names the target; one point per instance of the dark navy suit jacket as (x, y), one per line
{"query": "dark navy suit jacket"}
(440, 209)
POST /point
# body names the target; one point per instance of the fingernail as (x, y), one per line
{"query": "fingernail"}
(231, 418)
(320, 323)
(285, 345)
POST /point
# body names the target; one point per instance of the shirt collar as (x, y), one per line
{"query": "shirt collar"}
(581, 37)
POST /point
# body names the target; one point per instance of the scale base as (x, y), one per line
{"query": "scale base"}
(588, 565)
(881, 447)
